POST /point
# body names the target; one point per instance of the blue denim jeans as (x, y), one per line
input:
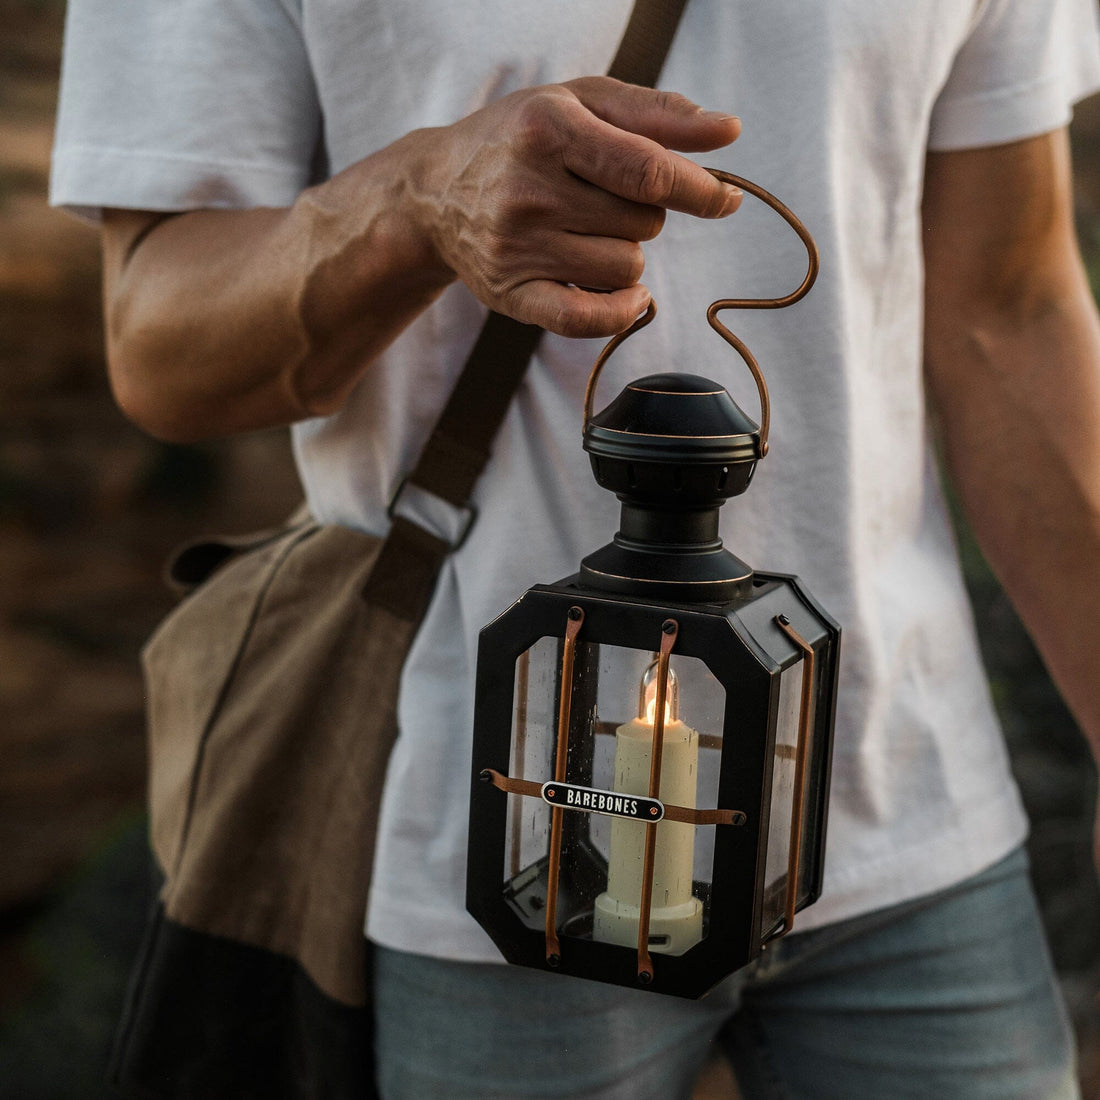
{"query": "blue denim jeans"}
(950, 997)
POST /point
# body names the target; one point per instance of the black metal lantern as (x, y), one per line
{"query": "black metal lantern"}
(653, 735)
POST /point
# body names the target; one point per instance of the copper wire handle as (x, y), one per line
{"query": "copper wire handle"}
(715, 308)
(605, 354)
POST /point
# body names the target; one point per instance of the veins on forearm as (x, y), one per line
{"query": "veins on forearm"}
(365, 275)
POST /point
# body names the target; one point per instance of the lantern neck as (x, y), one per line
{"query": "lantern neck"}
(646, 526)
(673, 448)
(666, 554)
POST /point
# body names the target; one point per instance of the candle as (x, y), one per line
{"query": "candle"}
(676, 916)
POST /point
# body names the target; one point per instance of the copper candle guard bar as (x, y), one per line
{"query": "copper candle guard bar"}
(575, 619)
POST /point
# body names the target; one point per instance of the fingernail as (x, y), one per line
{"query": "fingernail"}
(734, 195)
(721, 116)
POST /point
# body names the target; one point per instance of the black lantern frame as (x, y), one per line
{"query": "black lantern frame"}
(746, 645)
(717, 830)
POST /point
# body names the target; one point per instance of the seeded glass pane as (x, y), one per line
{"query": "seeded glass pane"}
(782, 798)
(610, 747)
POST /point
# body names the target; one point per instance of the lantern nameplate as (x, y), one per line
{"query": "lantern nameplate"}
(609, 803)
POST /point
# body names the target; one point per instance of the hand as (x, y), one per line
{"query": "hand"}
(533, 199)
(539, 202)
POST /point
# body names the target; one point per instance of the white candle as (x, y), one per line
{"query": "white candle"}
(676, 916)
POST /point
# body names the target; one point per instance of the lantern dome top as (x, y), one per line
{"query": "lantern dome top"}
(673, 448)
(674, 418)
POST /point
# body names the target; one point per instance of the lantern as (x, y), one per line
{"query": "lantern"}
(652, 735)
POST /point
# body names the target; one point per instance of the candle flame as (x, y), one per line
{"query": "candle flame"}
(647, 695)
(651, 705)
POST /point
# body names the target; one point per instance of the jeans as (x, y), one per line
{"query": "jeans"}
(950, 996)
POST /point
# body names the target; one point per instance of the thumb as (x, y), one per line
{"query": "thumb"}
(668, 118)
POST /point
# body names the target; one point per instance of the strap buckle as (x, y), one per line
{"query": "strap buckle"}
(452, 522)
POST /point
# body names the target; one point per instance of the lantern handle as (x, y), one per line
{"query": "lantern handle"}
(715, 308)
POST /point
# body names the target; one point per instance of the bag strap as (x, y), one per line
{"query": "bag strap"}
(646, 41)
(459, 446)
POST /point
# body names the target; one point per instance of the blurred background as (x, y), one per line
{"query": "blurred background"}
(89, 508)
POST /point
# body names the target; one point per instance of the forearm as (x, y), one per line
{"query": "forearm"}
(221, 321)
(1018, 398)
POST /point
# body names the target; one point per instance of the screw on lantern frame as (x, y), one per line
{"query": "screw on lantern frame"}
(716, 307)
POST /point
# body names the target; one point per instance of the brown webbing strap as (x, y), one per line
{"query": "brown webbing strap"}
(459, 446)
(460, 443)
(646, 41)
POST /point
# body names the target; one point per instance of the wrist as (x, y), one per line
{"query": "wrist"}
(369, 268)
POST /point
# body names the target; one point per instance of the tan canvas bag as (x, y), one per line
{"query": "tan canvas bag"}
(279, 634)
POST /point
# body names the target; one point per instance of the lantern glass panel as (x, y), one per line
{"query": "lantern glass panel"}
(782, 803)
(610, 746)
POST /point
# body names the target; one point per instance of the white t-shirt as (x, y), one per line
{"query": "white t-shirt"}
(222, 103)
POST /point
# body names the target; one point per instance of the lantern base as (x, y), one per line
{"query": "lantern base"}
(710, 575)
(673, 929)
(746, 693)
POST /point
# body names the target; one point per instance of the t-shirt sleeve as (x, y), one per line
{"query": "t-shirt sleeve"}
(181, 104)
(1019, 72)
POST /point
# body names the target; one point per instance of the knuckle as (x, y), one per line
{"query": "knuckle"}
(539, 123)
(674, 102)
(587, 85)
(492, 248)
(493, 267)
(651, 223)
(529, 204)
(634, 266)
(575, 319)
(656, 179)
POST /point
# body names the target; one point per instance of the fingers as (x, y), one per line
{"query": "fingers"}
(618, 137)
(599, 263)
(596, 211)
(576, 312)
(670, 119)
(522, 277)
(641, 170)
(551, 190)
